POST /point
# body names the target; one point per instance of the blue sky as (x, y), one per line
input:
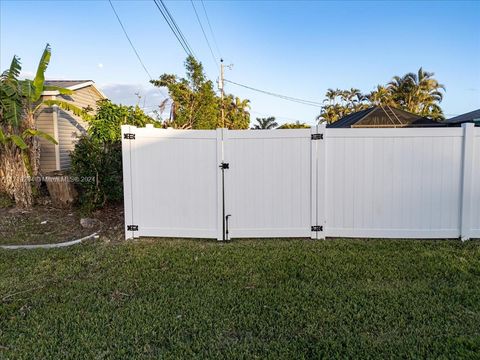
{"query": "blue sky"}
(293, 48)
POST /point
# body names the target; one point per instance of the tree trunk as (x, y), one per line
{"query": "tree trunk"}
(14, 177)
(33, 153)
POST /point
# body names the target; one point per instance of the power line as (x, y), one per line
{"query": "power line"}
(211, 31)
(130, 41)
(203, 31)
(172, 24)
(284, 97)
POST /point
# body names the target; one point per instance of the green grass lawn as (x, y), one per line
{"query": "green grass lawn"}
(246, 299)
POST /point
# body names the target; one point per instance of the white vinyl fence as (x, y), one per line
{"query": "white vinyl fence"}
(383, 183)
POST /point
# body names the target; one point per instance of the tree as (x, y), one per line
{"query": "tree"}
(236, 112)
(19, 147)
(418, 93)
(194, 102)
(381, 96)
(265, 123)
(340, 103)
(195, 105)
(106, 124)
(296, 125)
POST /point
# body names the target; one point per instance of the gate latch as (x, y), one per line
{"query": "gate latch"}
(132, 227)
(317, 228)
(224, 165)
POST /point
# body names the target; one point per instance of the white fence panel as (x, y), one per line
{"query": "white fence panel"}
(392, 183)
(268, 183)
(476, 186)
(400, 183)
(175, 182)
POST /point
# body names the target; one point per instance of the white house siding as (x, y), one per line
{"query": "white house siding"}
(71, 127)
(47, 153)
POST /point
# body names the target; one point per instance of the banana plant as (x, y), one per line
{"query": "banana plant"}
(20, 141)
(20, 100)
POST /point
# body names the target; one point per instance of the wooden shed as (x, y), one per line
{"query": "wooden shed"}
(62, 125)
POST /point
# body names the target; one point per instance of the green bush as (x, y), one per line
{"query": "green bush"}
(97, 168)
(97, 158)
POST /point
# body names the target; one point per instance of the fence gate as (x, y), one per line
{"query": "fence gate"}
(171, 182)
(268, 184)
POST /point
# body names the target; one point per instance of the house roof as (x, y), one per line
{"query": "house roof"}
(467, 117)
(387, 116)
(71, 85)
(66, 83)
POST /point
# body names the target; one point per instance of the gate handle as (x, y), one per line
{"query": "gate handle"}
(226, 222)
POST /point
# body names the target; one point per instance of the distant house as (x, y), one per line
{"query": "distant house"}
(472, 116)
(383, 117)
(62, 125)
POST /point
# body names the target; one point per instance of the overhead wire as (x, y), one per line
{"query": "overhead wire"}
(130, 41)
(133, 46)
(172, 24)
(204, 34)
(284, 97)
(211, 30)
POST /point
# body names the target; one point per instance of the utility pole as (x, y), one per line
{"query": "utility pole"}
(220, 86)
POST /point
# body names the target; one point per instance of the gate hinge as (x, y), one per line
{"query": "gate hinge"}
(317, 228)
(224, 165)
(132, 227)
(129, 136)
(317, 136)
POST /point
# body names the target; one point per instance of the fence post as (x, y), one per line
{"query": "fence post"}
(318, 165)
(220, 220)
(313, 181)
(322, 181)
(467, 174)
(127, 179)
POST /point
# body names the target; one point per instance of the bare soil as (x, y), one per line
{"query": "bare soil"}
(45, 224)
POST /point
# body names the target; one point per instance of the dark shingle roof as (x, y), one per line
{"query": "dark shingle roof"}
(383, 117)
(64, 83)
(467, 117)
(349, 120)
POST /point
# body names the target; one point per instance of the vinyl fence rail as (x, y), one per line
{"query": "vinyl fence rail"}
(317, 183)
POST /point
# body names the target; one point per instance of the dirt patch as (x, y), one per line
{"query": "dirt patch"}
(45, 224)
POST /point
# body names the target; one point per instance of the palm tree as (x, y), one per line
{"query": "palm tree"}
(330, 113)
(332, 95)
(265, 123)
(237, 115)
(381, 96)
(296, 125)
(418, 93)
(19, 147)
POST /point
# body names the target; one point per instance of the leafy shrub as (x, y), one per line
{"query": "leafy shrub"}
(97, 168)
(97, 158)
